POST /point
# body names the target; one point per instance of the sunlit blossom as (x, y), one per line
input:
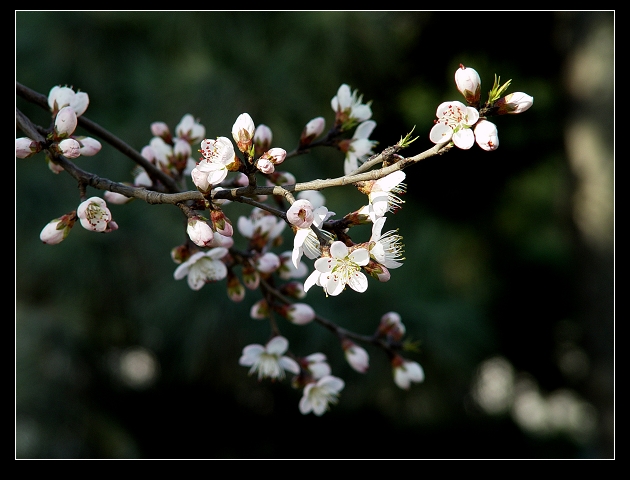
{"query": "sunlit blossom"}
(349, 107)
(342, 268)
(453, 123)
(360, 147)
(469, 84)
(486, 135)
(386, 248)
(306, 241)
(383, 194)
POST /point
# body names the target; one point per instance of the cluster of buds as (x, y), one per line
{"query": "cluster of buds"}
(466, 124)
(66, 106)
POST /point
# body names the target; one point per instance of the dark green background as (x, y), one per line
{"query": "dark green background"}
(497, 265)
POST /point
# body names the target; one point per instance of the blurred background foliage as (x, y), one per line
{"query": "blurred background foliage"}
(508, 284)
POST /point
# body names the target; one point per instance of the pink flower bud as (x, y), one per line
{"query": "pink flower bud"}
(312, 130)
(391, 325)
(89, 146)
(199, 231)
(190, 130)
(301, 214)
(259, 310)
(486, 135)
(265, 165)
(65, 122)
(25, 147)
(160, 129)
(58, 229)
(514, 103)
(268, 263)
(116, 198)
(356, 356)
(70, 148)
(276, 155)
(221, 223)
(469, 84)
(243, 132)
(300, 314)
(262, 139)
(235, 289)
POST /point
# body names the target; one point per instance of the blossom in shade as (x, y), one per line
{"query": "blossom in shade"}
(299, 313)
(60, 97)
(202, 268)
(454, 123)
(260, 227)
(486, 135)
(317, 396)
(262, 139)
(116, 198)
(316, 198)
(267, 263)
(94, 215)
(316, 364)
(199, 231)
(269, 360)
(356, 356)
(312, 130)
(58, 229)
(160, 129)
(190, 129)
(287, 270)
(26, 147)
(406, 371)
(69, 148)
(391, 325)
(342, 268)
(89, 146)
(65, 122)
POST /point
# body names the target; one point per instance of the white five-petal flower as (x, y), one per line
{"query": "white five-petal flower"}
(269, 360)
(219, 156)
(453, 123)
(319, 395)
(203, 267)
(342, 268)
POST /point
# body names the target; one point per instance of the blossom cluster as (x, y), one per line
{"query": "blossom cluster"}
(336, 262)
